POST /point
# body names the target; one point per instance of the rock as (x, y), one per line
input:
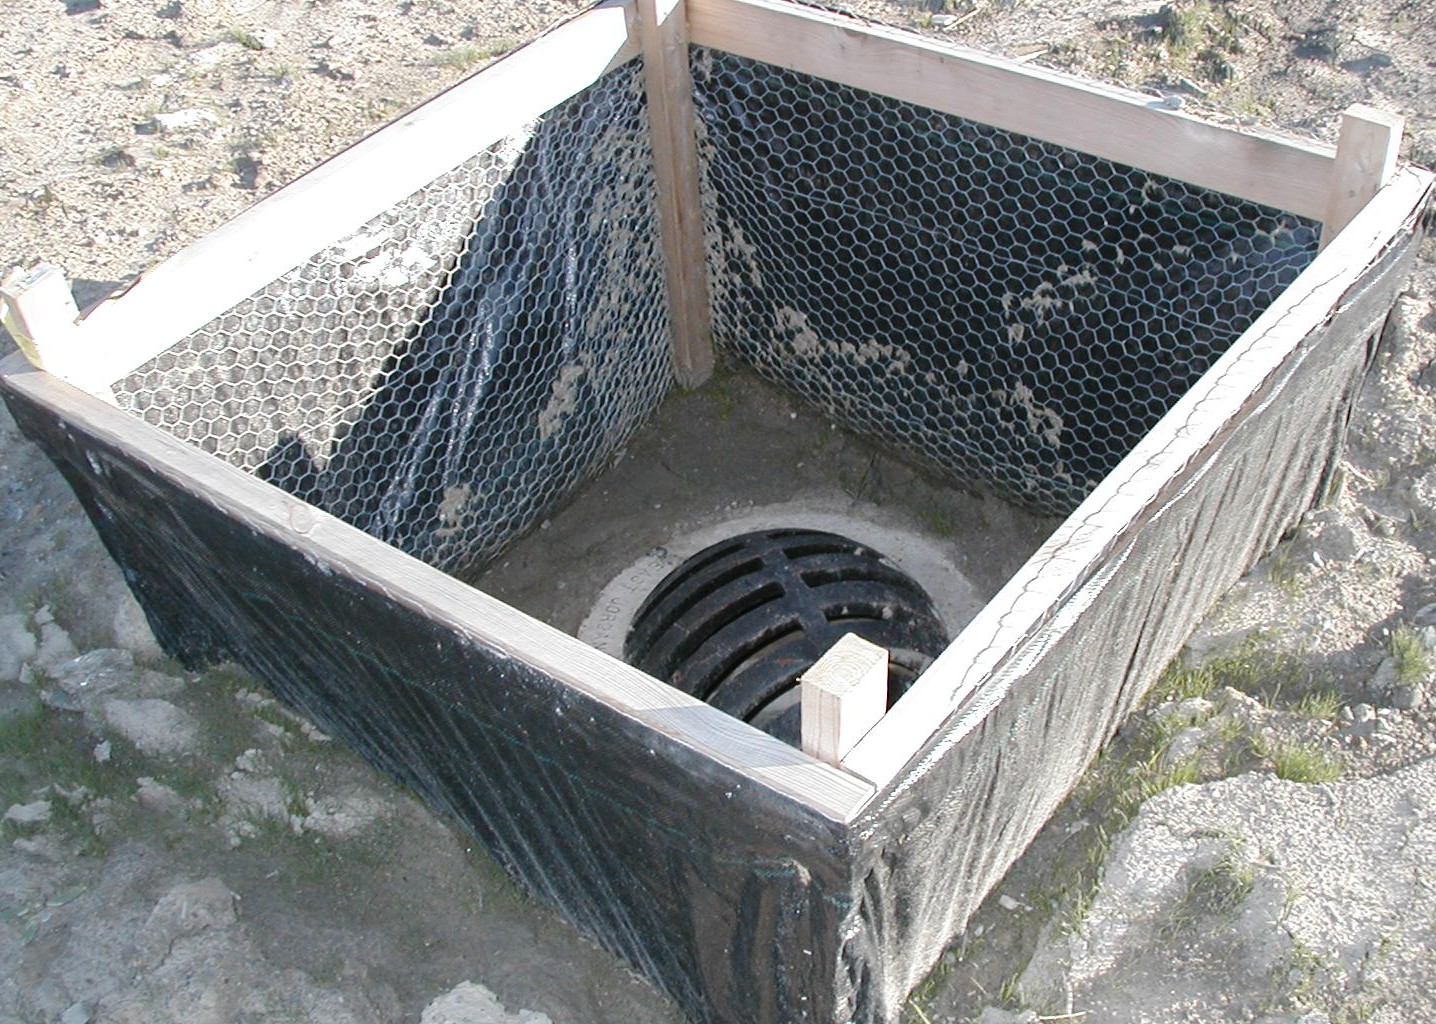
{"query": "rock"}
(1332, 536)
(996, 1015)
(36, 812)
(191, 120)
(153, 725)
(94, 673)
(132, 630)
(1191, 711)
(216, 54)
(1387, 685)
(1384, 678)
(1220, 898)
(1405, 696)
(79, 1013)
(188, 908)
(102, 752)
(17, 646)
(156, 796)
(345, 816)
(1185, 746)
(469, 1003)
(249, 796)
(56, 647)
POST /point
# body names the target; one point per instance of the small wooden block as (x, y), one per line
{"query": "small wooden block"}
(1365, 160)
(39, 312)
(843, 696)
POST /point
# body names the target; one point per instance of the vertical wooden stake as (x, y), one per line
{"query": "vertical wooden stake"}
(40, 312)
(1365, 160)
(663, 30)
(842, 696)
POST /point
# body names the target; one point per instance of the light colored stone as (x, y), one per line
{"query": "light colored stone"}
(79, 1013)
(37, 812)
(1218, 894)
(1185, 746)
(191, 120)
(17, 646)
(132, 630)
(469, 1003)
(997, 1015)
(153, 725)
(94, 673)
(56, 647)
(158, 797)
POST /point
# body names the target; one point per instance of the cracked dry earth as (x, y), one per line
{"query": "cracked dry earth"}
(1256, 846)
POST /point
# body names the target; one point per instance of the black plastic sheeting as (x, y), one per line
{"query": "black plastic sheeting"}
(449, 374)
(747, 907)
(1005, 311)
(711, 887)
(946, 832)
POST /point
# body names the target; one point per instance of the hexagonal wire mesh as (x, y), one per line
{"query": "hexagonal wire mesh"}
(1003, 310)
(447, 373)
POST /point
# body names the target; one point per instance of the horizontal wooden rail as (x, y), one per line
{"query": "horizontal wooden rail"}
(1127, 127)
(1071, 562)
(753, 757)
(336, 198)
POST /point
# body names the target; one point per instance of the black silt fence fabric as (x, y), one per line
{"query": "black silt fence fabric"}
(747, 909)
(1008, 312)
(947, 831)
(447, 375)
(726, 895)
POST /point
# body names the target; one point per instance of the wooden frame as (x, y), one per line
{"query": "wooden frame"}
(1136, 130)
(1129, 492)
(325, 205)
(857, 780)
(336, 198)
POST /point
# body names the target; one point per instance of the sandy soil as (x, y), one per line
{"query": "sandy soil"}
(236, 865)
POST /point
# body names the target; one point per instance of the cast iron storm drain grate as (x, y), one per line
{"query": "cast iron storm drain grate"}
(740, 621)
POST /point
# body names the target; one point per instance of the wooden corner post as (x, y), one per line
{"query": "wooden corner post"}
(1365, 160)
(39, 312)
(663, 32)
(842, 697)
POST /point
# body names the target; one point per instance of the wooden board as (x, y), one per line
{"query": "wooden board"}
(842, 696)
(330, 202)
(1079, 553)
(1365, 160)
(332, 543)
(664, 34)
(1119, 125)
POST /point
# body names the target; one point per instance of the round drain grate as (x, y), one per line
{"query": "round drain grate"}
(739, 622)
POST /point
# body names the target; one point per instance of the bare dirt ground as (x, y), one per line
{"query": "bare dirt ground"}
(1256, 847)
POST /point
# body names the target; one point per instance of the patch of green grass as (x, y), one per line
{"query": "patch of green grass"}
(1299, 762)
(1215, 891)
(246, 38)
(917, 1009)
(467, 56)
(1181, 682)
(22, 732)
(1319, 703)
(1413, 661)
(1254, 667)
(42, 747)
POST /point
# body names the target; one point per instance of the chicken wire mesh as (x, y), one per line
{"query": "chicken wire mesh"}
(447, 373)
(1006, 311)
